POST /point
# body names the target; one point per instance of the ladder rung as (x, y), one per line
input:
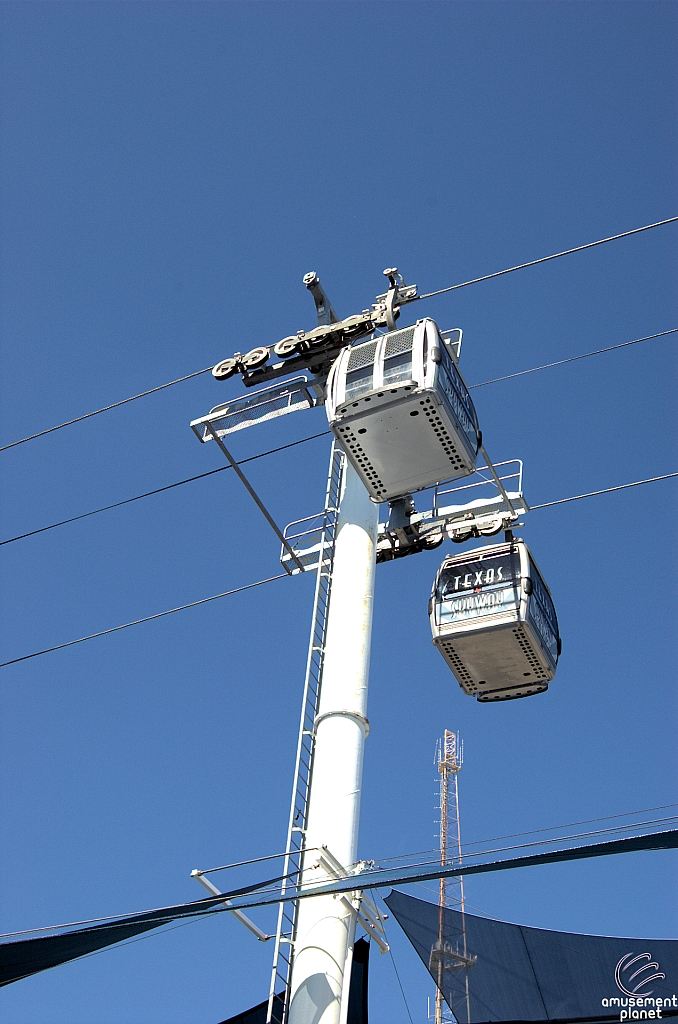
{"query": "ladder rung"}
(312, 684)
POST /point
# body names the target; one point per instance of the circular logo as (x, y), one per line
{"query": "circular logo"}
(633, 968)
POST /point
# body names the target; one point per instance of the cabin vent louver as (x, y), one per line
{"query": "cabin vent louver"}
(399, 342)
(361, 355)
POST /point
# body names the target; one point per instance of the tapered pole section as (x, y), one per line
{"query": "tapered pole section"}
(326, 926)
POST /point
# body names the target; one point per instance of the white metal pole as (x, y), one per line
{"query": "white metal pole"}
(326, 926)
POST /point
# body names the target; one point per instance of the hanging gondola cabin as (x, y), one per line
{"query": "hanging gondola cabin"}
(493, 621)
(402, 412)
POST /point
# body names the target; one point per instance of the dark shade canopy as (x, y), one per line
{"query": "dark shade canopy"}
(257, 1015)
(23, 957)
(28, 956)
(357, 996)
(515, 973)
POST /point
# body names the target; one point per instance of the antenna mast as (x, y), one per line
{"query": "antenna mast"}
(447, 956)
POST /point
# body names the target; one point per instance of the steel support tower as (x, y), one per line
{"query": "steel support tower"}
(278, 1003)
(449, 956)
(325, 926)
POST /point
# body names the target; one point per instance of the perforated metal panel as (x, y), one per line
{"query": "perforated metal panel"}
(358, 456)
(500, 663)
(458, 462)
(527, 649)
(457, 666)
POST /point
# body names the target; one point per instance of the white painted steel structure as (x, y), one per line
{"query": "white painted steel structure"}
(402, 412)
(403, 420)
(325, 927)
(324, 538)
(494, 622)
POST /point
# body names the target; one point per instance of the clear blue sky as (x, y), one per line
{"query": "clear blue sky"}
(169, 173)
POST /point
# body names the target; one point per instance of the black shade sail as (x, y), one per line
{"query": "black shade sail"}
(357, 995)
(493, 971)
(23, 957)
(28, 956)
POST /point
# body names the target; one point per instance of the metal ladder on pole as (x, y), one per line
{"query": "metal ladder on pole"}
(278, 1002)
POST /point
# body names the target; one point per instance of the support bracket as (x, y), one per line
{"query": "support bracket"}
(370, 918)
(243, 918)
(323, 306)
(408, 532)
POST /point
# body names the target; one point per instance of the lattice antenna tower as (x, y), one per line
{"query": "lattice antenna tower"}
(449, 759)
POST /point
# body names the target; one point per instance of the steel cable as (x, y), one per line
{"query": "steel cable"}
(147, 618)
(250, 586)
(605, 490)
(427, 295)
(535, 831)
(573, 359)
(400, 984)
(159, 490)
(616, 830)
(323, 433)
(105, 408)
(545, 259)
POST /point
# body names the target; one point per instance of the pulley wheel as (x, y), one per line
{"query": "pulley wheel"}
(257, 357)
(225, 369)
(287, 347)
(491, 529)
(353, 325)
(316, 336)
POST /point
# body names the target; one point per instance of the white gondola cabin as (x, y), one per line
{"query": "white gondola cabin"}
(401, 411)
(493, 621)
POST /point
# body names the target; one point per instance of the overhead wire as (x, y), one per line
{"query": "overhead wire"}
(400, 984)
(105, 408)
(159, 490)
(312, 437)
(140, 938)
(605, 490)
(147, 618)
(615, 830)
(545, 259)
(284, 575)
(214, 903)
(537, 831)
(476, 842)
(573, 359)
(427, 295)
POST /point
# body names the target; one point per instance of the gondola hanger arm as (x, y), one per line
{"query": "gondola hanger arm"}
(317, 349)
